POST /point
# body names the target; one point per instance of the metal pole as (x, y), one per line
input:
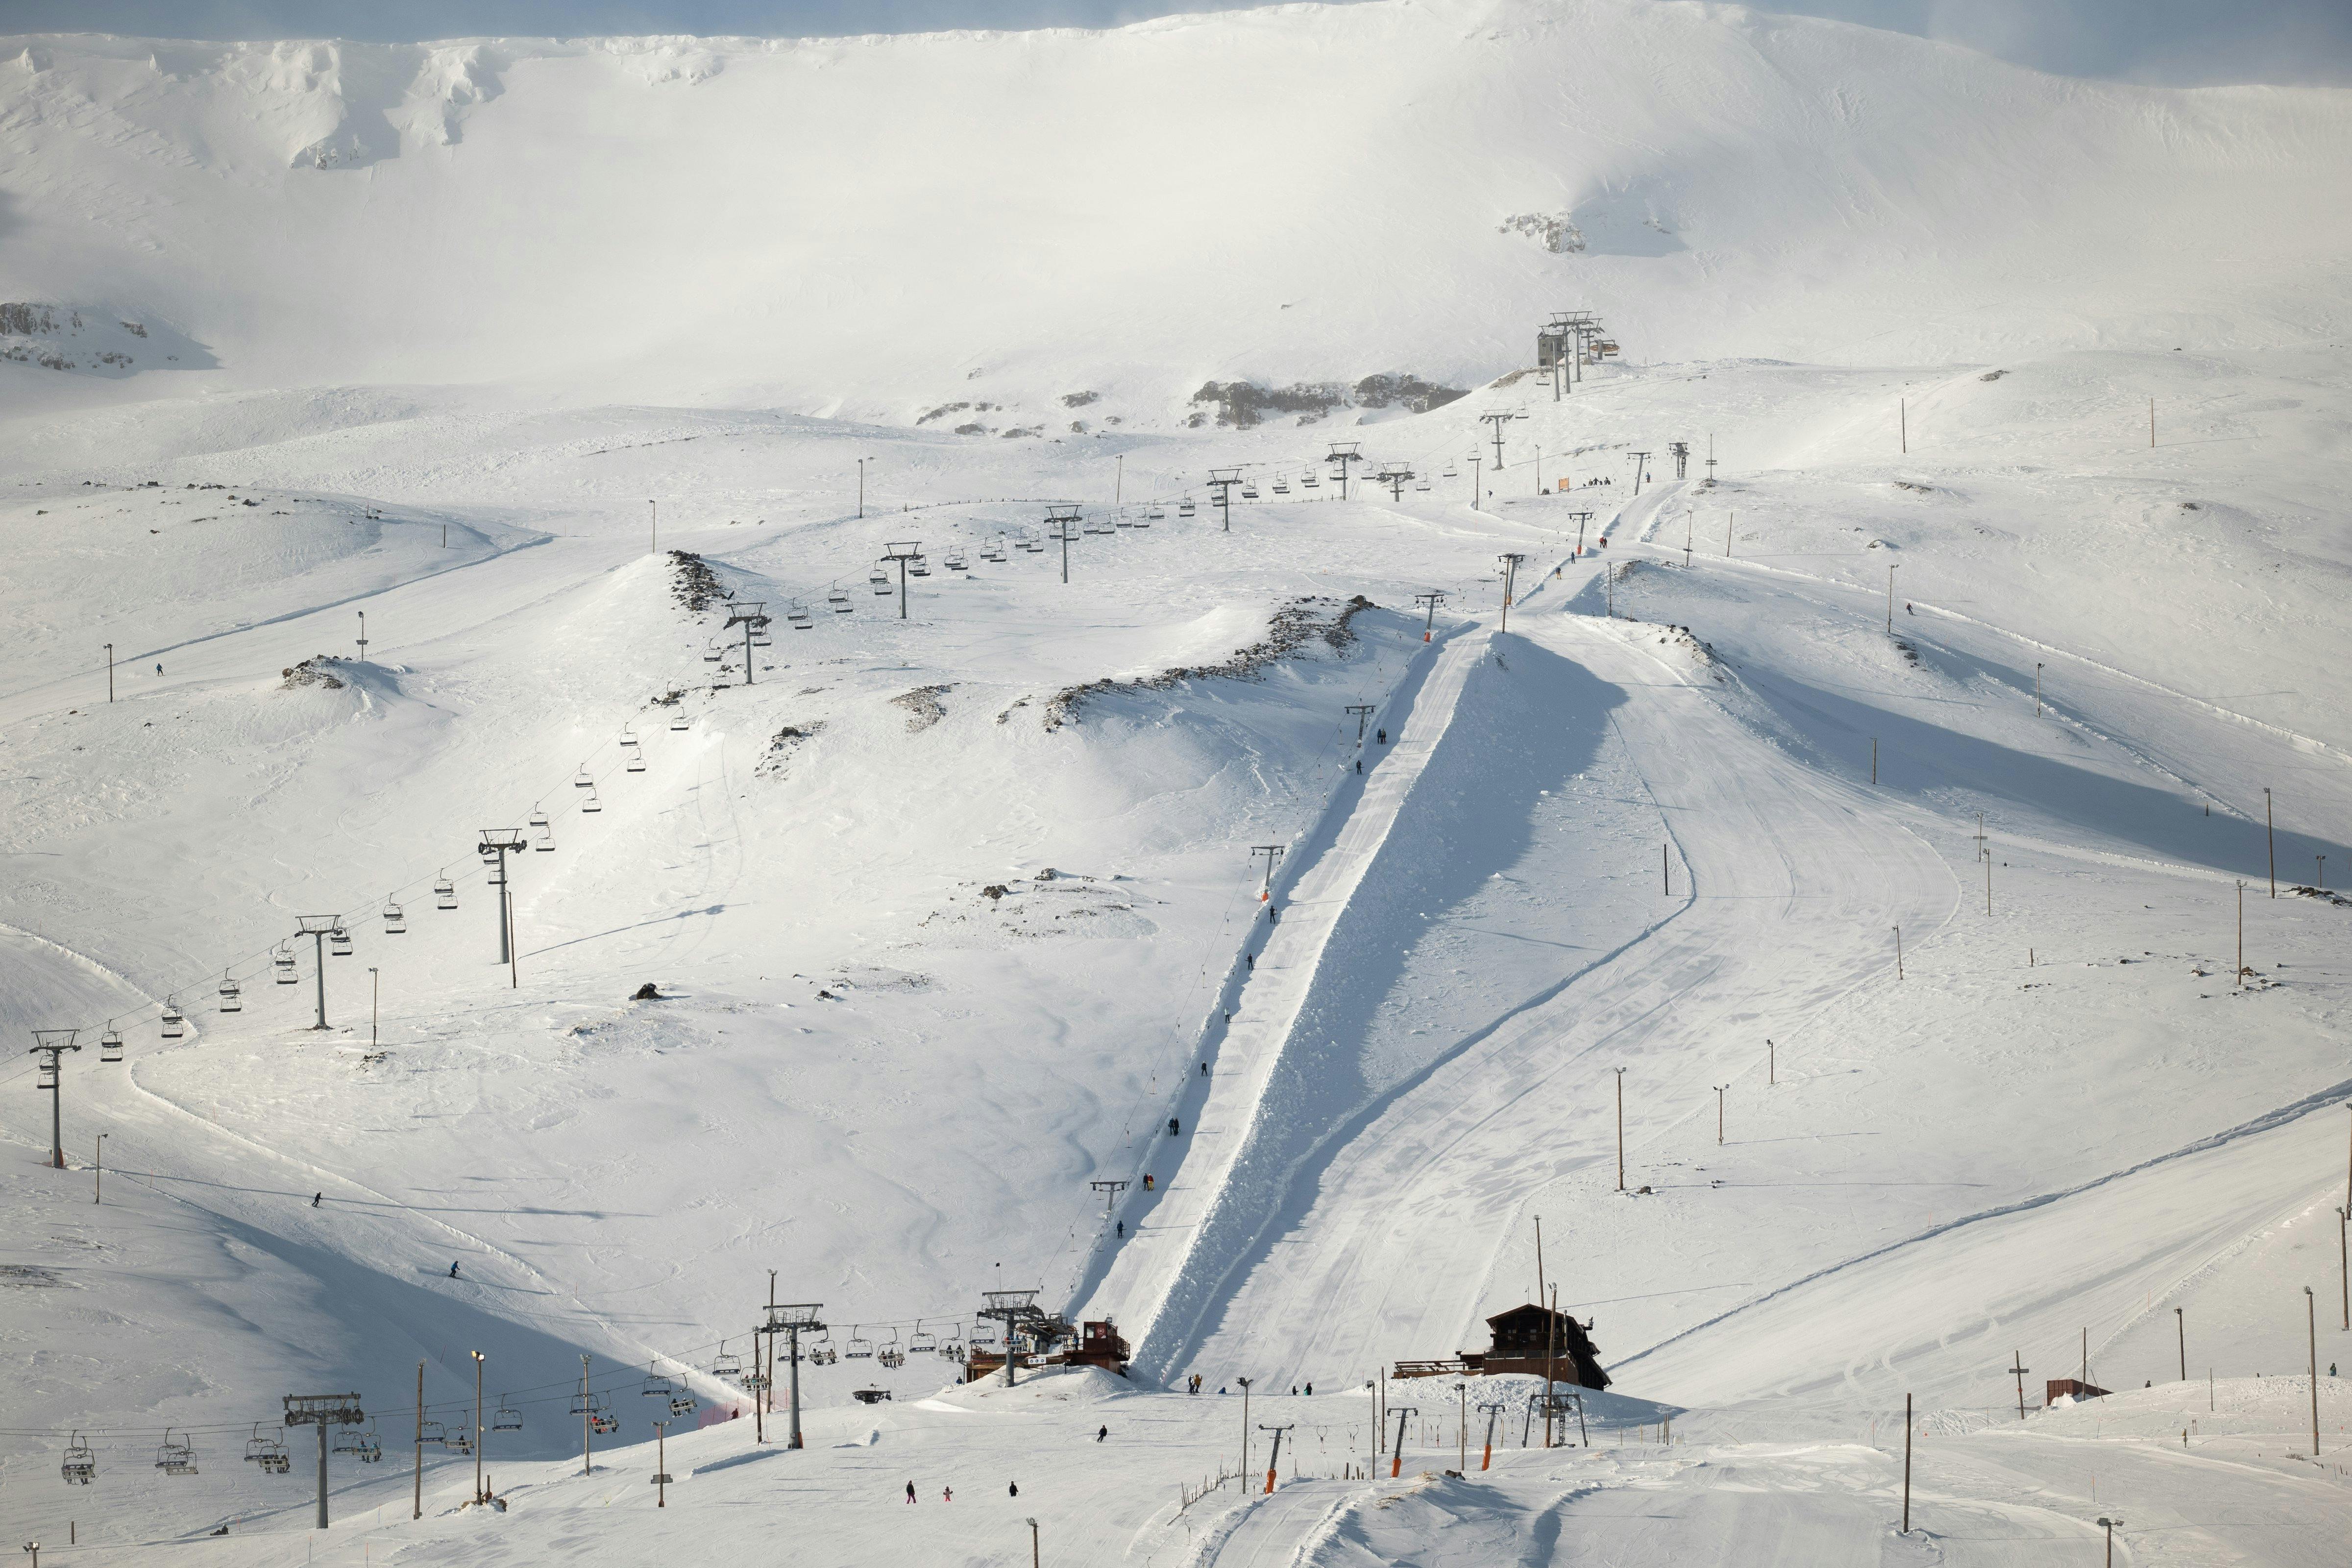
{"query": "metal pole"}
(57, 1112)
(1245, 1388)
(661, 1464)
(417, 1503)
(902, 580)
(109, 672)
(477, 1444)
(2311, 1316)
(2270, 839)
(323, 1475)
(652, 539)
(861, 487)
(792, 1350)
(97, 1166)
(319, 962)
(2180, 1328)
(2344, 1255)
(587, 1414)
(376, 996)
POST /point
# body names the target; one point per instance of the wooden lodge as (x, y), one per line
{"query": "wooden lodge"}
(2074, 1388)
(1527, 1341)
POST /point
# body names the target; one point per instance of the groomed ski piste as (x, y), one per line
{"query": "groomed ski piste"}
(1890, 809)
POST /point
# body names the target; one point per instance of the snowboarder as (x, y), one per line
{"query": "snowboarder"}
(1101, 1433)
(453, 1271)
(315, 1197)
(910, 1491)
(159, 670)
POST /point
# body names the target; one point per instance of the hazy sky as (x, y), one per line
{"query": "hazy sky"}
(2176, 41)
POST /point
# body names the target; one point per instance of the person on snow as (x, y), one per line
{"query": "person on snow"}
(1252, 959)
(453, 1271)
(1311, 1391)
(1122, 1230)
(910, 1491)
(1101, 1433)
(946, 1494)
(1173, 1127)
(315, 1197)
(1015, 1490)
(1147, 1181)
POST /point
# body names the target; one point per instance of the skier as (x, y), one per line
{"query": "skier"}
(1101, 1433)
(1360, 764)
(453, 1271)
(1204, 1067)
(910, 1491)
(159, 670)
(1015, 1490)
(315, 1197)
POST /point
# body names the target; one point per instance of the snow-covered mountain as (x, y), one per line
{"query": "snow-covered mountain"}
(1870, 712)
(879, 226)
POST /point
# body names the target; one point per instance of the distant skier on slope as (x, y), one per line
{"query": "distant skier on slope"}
(910, 1491)
(315, 1197)
(453, 1271)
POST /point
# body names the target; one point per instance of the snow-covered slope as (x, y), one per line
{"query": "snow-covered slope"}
(955, 914)
(882, 225)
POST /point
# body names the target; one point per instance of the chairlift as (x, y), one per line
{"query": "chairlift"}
(230, 992)
(267, 1452)
(1281, 487)
(459, 1442)
(838, 600)
(880, 580)
(395, 923)
(507, 1419)
(1249, 491)
(1449, 473)
(859, 1347)
(583, 779)
(760, 638)
(950, 1350)
(681, 1405)
(176, 1458)
(678, 721)
(173, 1018)
(604, 1423)
(445, 893)
(891, 1359)
(591, 804)
(281, 959)
(920, 1343)
(798, 617)
(109, 1044)
(1183, 508)
(956, 563)
(1421, 484)
(916, 566)
(755, 1381)
(656, 1386)
(636, 761)
(727, 1365)
(1150, 517)
(1309, 480)
(431, 1432)
(79, 1467)
(628, 735)
(338, 942)
(584, 1403)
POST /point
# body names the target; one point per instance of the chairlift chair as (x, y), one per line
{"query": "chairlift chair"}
(917, 566)
(583, 779)
(395, 923)
(1249, 491)
(604, 1423)
(712, 654)
(431, 1432)
(799, 618)
(281, 959)
(267, 1452)
(956, 563)
(681, 1404)
(656, 1386)
(678, 721)
(920, 1343)
(1310, 481)
(583, 1403)
(507, 1419)
(756, 1380)
(109, 1044)
(1421, 484)
(628, 735)
(636, 764)
(176, 1458)
(445, 893)
(880, 580)
(1281, 487)
(173, 1018)
(591, 804)
(727, 1365)
(1183, 508)
(859, 1347)
(80, 1465)
(338, 942)
(230, 994)
(459, 1442)
(838, 600)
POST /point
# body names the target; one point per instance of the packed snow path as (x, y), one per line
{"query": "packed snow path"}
(1793, 881)
(1211, 1206)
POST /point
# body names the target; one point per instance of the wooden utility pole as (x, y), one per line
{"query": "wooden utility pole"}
(2016, 1365)
(2270, 841)
(1907, 1464)
(1898, 953)
(1719, 1113)
(2180, 1328)
(1620, 1129)
(2343, 1257)
(417, 1502)
(1665, 871)
(2241, 979)
(2311, 1317)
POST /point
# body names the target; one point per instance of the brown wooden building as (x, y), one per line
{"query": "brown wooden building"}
(1527, 1341)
